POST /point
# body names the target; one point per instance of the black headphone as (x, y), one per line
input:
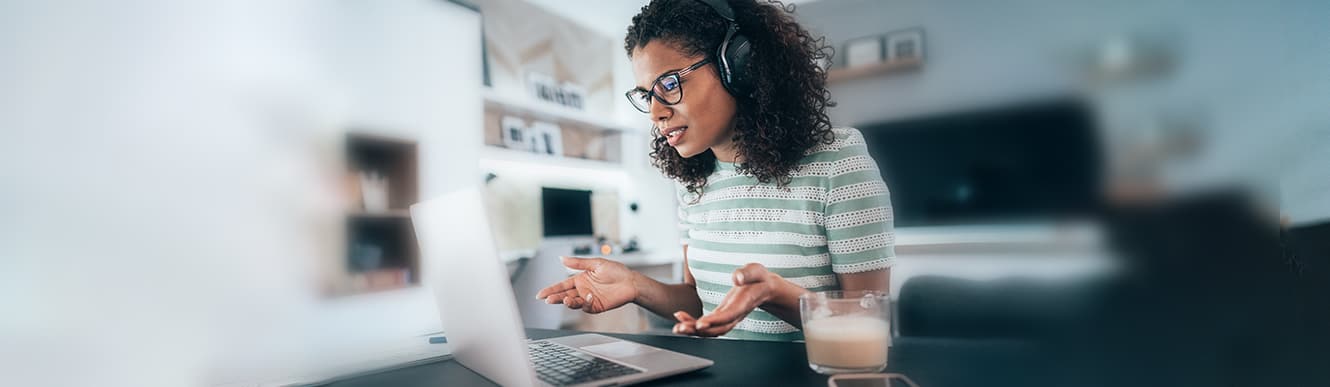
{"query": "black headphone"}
(733, 53)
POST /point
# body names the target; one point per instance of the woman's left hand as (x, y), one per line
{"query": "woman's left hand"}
(753, 286)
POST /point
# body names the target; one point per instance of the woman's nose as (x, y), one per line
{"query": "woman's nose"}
(660, 112)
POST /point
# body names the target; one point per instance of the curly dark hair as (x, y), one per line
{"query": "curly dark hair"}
(786, 113)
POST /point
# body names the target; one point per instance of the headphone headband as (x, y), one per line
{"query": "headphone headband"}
(722, 7)
(733, 52)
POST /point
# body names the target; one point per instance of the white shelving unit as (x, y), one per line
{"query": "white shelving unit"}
(496, 155)
(531, 108)
(550, 111)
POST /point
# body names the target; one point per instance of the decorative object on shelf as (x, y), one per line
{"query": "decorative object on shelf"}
(365, 257)
(631, 246)
(535, 142)
(905, 46)
(864, 51)
(374, 191)
(546, 88)
(571, 95)
(603, 245)
(548, 137)
(514, 133)
(1130, 57)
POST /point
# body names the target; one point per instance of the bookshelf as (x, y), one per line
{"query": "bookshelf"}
(381, 251)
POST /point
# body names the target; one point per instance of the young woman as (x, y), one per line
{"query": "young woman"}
(773, 201)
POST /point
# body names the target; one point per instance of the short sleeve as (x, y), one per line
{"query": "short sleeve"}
(859, 220)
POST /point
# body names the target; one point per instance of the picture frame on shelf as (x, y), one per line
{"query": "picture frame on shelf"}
(535, 141)
(514, 133)
(541, 86)
(905, 46)
(548, 137)
(548, 89)
(864, 51)
(571, 95)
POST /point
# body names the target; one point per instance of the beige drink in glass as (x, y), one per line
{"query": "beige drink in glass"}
(846, 331)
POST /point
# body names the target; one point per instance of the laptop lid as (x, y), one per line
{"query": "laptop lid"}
(470, 285)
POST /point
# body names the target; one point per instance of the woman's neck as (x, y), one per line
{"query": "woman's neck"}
(726, 152)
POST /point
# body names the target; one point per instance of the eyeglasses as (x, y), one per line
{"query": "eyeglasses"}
(668, 89)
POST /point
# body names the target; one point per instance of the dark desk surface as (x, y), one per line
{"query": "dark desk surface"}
(930, 362)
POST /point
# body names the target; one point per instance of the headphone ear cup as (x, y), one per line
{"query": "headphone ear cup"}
(737, 54)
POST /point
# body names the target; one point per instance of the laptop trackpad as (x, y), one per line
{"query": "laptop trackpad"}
(619, 349)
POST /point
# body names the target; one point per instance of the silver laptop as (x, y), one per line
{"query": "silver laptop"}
(481, 321)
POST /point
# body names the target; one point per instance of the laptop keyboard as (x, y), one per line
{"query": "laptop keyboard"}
(561, 366)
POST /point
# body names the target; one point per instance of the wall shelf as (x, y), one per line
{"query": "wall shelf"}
(549, 111)
(576, 137)
(899, 66)
(494, 153)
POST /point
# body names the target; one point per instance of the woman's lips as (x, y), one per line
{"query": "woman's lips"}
(674, 134)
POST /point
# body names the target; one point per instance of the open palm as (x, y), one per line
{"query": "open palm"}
(602, 285)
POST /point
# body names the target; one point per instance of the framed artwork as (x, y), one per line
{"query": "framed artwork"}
(514, 133)
(905, 45)
(863, 51)
(548, 89)
(535, 142)
(548, 138)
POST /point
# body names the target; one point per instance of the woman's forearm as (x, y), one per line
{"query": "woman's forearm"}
(784, 302)
(665, 299)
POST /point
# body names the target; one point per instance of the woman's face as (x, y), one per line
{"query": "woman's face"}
(704, 118)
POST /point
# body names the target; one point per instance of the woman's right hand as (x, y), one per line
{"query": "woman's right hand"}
(602, 285)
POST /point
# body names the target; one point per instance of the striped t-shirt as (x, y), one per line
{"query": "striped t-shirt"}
(834, 217)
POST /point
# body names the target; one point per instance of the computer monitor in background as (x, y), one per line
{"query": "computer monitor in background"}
(1031, 162)
(566, 212)
(566, 216)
